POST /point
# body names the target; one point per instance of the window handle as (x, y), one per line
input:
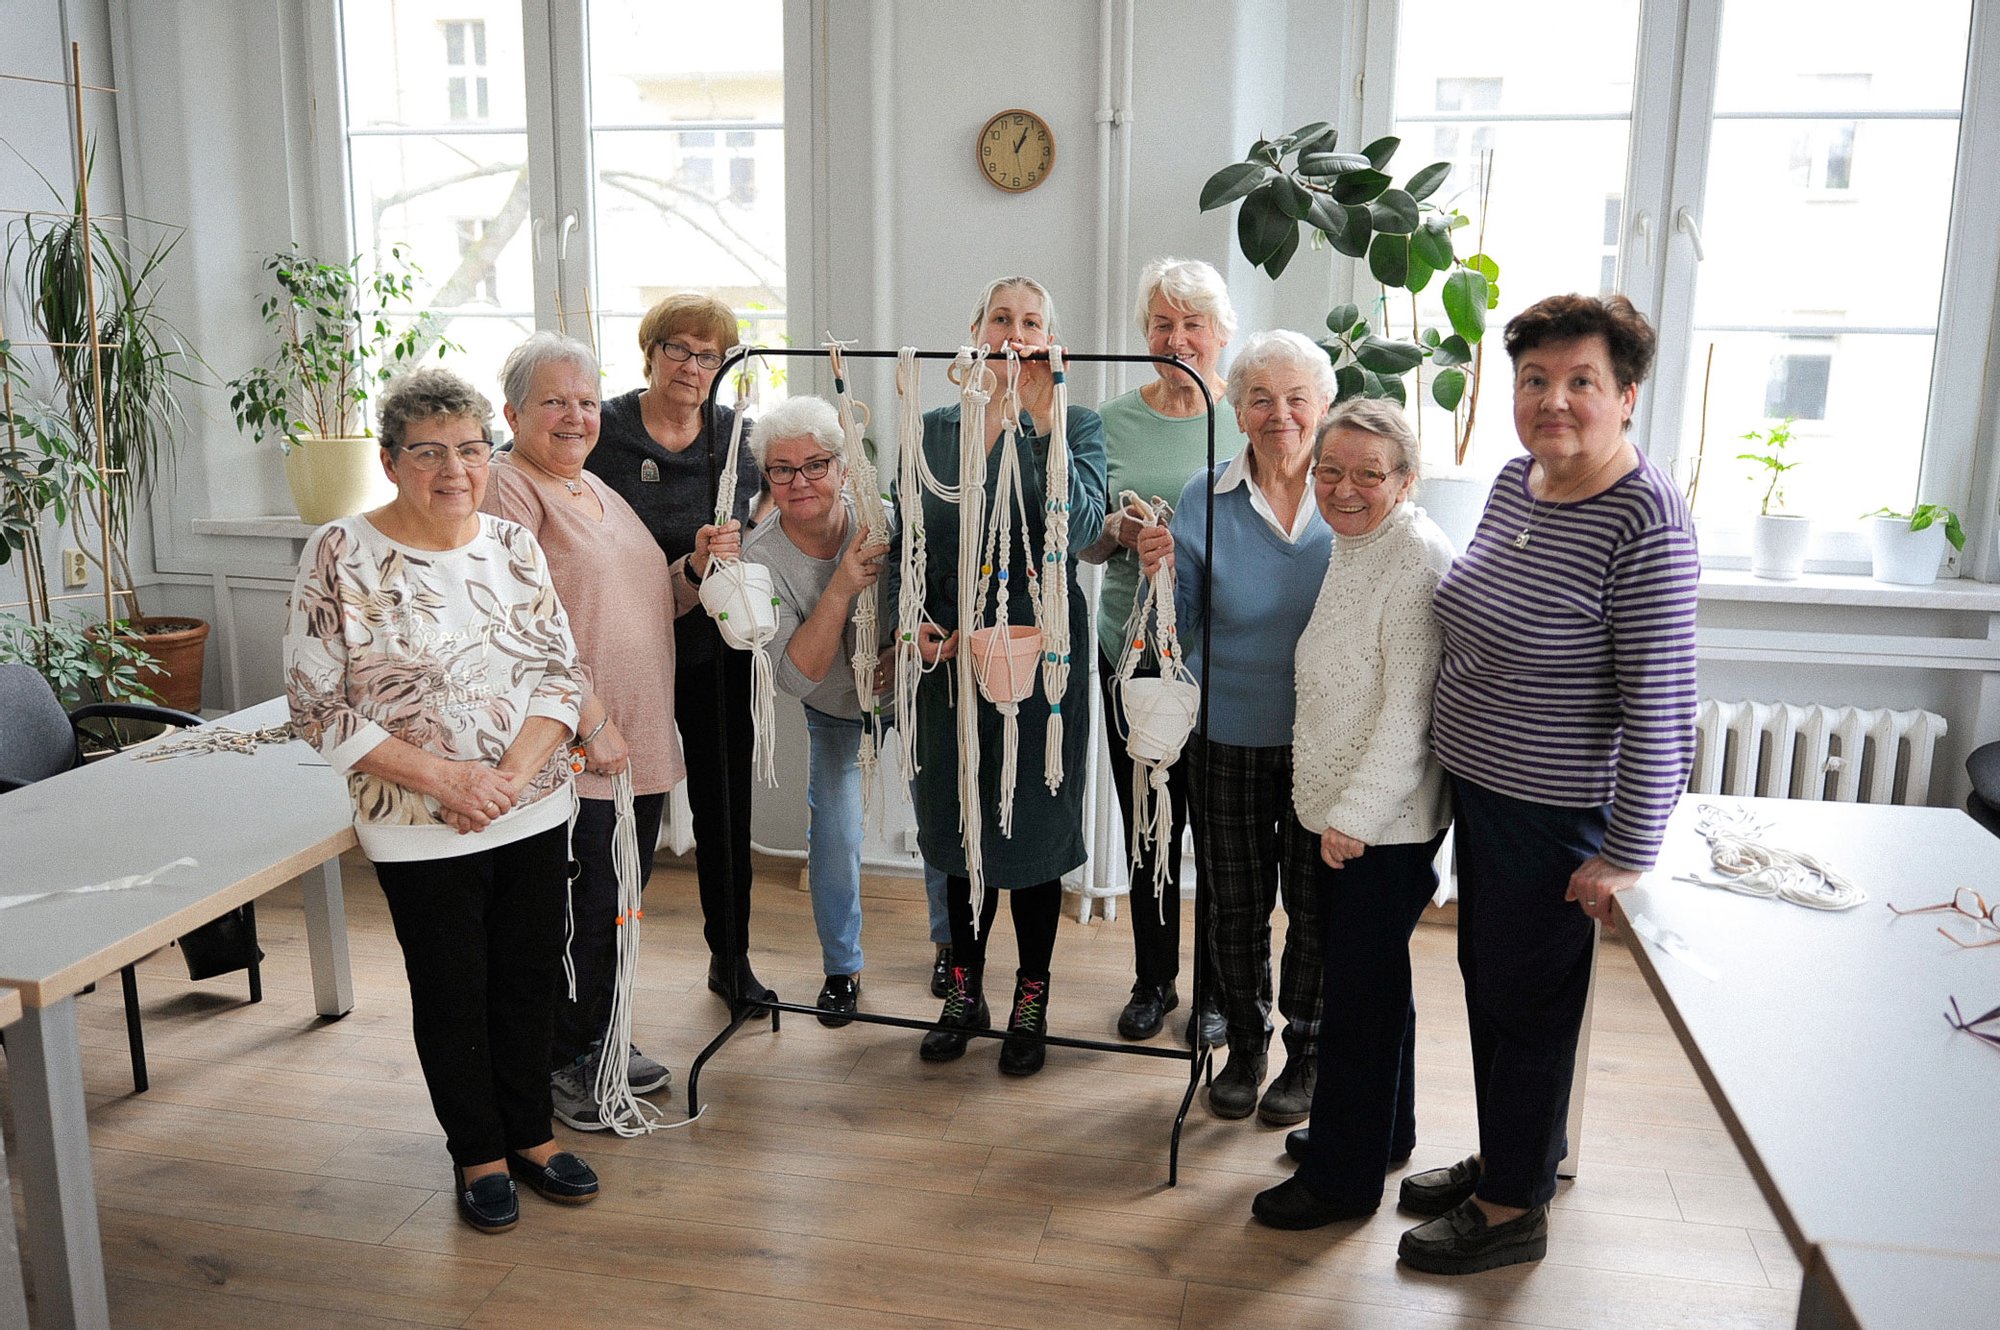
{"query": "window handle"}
(1685, 223)
(538, 228)
(1642, 227)
(569, 224)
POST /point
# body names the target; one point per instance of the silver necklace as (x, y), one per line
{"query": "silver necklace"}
(1535, 514)
(575, 487)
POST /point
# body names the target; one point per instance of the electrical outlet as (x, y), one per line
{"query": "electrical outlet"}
(75, 568)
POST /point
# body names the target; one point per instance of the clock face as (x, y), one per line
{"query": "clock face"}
(1016, 150)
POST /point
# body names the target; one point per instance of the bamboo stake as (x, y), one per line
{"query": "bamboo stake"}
(1701, 439)
(1463, 444)
(90, 310)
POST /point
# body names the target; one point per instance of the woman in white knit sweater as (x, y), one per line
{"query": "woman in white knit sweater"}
(1364, 782)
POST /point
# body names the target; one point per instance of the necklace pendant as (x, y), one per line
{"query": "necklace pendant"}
(573, 486)
(1521, 541)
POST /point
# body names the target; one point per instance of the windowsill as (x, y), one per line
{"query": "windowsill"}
(275, 527)
(1955, 593)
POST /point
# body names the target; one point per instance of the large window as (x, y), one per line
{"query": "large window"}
(649, 158)
(1772, 185)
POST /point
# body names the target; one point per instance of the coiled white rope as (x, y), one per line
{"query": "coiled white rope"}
(620, 1109)
(738, 586)
(1152, 805)
(1053, 607)
(871, 513)
(1749, 867)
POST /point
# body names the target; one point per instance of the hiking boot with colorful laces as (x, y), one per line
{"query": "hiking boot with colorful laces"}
(964, 1009)
(1023, 1052)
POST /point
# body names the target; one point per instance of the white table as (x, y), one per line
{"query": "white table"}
(1867, 1121)
(251, 823)
(13, 1302)
(1849, 1286)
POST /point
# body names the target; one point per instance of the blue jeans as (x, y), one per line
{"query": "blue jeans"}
(833, 838)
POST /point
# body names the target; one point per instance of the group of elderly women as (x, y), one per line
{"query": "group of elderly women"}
(486, 655)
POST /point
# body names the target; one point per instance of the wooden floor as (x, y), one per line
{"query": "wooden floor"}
(284, 1171)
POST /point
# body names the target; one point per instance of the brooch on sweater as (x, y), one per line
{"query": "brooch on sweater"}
(649, 471)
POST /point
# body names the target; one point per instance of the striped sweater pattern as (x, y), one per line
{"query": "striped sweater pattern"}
(1568, 675)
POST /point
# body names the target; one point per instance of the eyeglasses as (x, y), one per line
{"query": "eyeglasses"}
(675, 351)
(473, 454)
(1958, 1022)
(1973, 906)
(1362, 478)
(781, 474)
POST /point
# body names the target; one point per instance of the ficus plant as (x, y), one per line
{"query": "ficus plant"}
(1350, 201)
(340, 330)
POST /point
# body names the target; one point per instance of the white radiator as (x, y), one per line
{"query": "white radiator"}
(1842, 754)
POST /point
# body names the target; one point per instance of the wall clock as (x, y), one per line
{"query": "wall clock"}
(1016, 150)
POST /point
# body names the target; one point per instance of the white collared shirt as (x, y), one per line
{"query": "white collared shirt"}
(1238, 473)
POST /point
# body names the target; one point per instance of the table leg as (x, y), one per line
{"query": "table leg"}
(63, 1246)
(1567, 1168)
(13, 1300)
(326, 941)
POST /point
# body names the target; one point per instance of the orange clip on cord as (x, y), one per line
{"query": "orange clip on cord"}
(576, 762)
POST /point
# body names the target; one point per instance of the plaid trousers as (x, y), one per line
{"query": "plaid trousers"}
(1253, 850)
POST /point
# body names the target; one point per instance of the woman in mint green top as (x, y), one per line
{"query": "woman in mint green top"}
(1156, 437)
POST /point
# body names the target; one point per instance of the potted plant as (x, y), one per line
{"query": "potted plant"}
(1908, 547)
(118, 363)
(1408, 239)
(339, 331)
(1777, 540)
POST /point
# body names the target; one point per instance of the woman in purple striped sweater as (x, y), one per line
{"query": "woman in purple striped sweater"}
(1564, 717)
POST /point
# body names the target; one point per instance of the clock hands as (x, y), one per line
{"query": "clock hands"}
(1020, 142)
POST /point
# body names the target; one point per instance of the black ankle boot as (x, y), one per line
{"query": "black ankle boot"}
(964, 1009)
(747, 988)
(1024, 1052)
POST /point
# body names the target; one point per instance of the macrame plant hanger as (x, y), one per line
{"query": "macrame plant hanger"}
(1159, 712)
(740, 598)
(871, 515)
(1053, 605)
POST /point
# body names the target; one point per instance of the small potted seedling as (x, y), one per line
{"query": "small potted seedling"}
(1908, 547)
(1777, 539)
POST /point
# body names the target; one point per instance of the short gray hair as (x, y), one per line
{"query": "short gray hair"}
(517, 375)
(1285, 349)
(799, 418)
(426, 394)
(1187, 284)
(1377, 416)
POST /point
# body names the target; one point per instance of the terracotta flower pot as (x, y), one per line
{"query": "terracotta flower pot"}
(179, 645)
(1006, 665)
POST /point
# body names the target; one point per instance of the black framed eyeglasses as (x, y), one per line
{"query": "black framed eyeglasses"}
(815, 469)
(675, 351)
(1958, 1022)
(473, 454)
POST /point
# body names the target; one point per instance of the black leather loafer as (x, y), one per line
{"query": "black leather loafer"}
(1461, 1242)
(1292, 1204)
(1149, 1006)
(839, 999)
(565, 1179)
(1437, 1190)
(489, 1204)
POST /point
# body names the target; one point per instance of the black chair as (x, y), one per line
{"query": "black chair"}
(39, 739)
(1983, 765)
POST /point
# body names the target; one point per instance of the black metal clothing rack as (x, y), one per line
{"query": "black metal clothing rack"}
(741, 1010)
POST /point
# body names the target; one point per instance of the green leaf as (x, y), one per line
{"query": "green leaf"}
(1349, 382)
(1388, 386)
(1232, 182)
(1389, 259)
(1433, 244)
(1292, 201)
(1319, 164)
(1385, 355)
(1261, 227)
(1341, 318)
(1359, 186)
(1380, 151)
(1396, 212)
(1448, 387)
(1425, 182)
(1315, 137)
(1484, 266)
(1420, 274)
(1450, 351)
(1953, 532)
(1465, 303)
(1288, 246)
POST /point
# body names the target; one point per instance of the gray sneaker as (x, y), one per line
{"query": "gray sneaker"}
(646, 1075)
(573, 1090)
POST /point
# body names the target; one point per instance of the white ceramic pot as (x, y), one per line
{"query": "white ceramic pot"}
(1455, 501)
(1903, 556)
(336, 477)
(738, 596)
(1778, 546)
(1159, 716)
(1006, 662)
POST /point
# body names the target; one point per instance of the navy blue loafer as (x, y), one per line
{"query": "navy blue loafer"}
(565, 1179)
(489, 1204)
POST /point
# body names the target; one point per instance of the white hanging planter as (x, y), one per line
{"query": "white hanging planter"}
(738, 596)
(1903, 556)
(1778, 546)
(1159, 716)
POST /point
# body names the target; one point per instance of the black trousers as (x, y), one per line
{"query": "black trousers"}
(593, 904)
(1524, 953)
(1156, 943)
(482, 938)
(1364, 1105)
(711, 731)
(1036, 911)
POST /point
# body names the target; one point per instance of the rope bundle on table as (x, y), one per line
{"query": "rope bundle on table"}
(1749, 867)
